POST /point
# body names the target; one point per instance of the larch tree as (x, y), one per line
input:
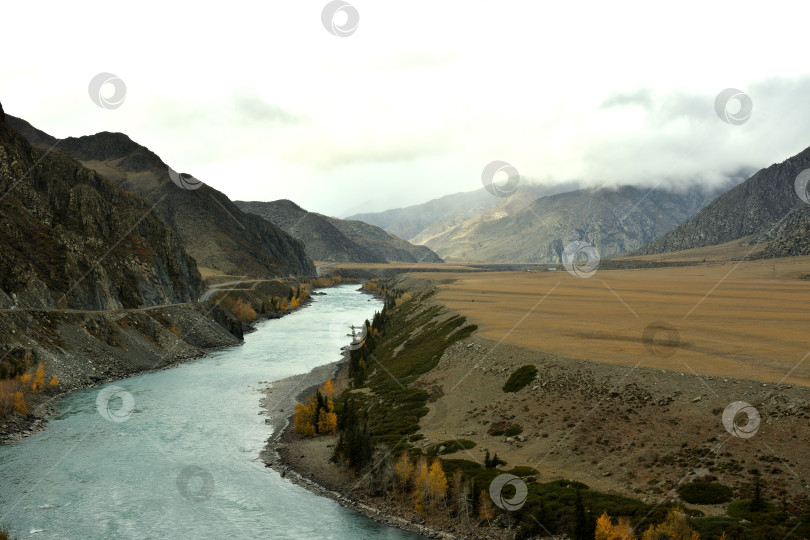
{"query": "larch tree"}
(437, 482)
(421, 485)
(486, 510)
(403, 469)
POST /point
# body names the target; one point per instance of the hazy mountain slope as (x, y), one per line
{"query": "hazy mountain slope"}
(525, 194)
(752, 208)
(421, 222)
(70, 238)
(387, 245)
(615, 221)
(410, 221)
(214, 230)
(323, 241)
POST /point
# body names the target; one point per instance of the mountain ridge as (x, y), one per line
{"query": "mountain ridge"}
(215, 231)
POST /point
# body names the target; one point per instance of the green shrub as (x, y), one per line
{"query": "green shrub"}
(449, 447)
(520, 378)
(503, 427)
(742, 510)
(705, 493)
(522, 471)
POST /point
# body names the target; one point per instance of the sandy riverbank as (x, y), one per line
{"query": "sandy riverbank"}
(305, 461)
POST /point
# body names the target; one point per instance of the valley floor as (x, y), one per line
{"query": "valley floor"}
(623, 411)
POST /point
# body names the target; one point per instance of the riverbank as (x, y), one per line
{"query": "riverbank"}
(305, 462)
(89, 350)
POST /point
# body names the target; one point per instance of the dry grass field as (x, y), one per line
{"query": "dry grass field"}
(745, 320)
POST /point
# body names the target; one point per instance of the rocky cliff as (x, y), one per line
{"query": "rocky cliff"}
(70, 238)
(758, 208)
(215, 231)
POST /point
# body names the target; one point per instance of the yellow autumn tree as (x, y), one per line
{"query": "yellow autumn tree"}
(606, 530)
(54, 381)
(305, 418)
(327, 422)
(328, 389)
(486, 511)
(403, 469)
(437, 483)
(317, 416)
(421, 485)
(20, 407)
(39, 379)
(674, 527)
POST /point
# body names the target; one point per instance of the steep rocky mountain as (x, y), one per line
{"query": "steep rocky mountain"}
(215, 231)
(765, 208)
(71, 238)
(386, 244)
(615, 221)
(791, 236)
(323, 241)
(336, 240)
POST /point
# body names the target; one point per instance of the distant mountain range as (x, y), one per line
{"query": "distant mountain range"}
(336, 240)
(536, 222)
(763, 209)
(215, 232)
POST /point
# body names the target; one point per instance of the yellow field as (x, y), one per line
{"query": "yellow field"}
(744, 320)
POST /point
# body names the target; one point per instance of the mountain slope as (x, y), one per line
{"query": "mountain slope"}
(323, 241)
(214, 230)
(384, 243)
(72, 239)
(408, 222)
(421, 222)
(615, 221)
(755, 207)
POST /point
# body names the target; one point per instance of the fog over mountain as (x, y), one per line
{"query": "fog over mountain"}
(406, 111)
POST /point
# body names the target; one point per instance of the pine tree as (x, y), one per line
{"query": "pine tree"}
(757, 502)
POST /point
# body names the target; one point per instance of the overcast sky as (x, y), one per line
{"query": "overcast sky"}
(260, 101)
